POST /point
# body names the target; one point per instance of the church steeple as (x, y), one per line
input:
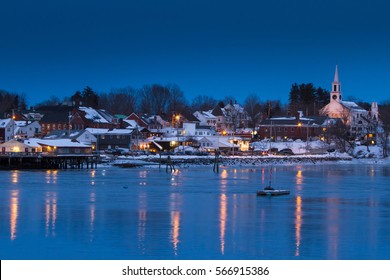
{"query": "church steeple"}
(336, 75)
(335, 94)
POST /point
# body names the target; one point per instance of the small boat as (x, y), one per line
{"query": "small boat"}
(270, 191)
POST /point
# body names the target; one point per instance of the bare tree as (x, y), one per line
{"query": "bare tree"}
(203, 103)
(253, 108)
(384, 115)
(119, 101)
(52, 101)
(177, 101)
(154, 99)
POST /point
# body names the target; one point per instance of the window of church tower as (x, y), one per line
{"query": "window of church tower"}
(340, 96)
(335, 88)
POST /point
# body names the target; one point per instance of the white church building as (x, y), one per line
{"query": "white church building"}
(360, 122)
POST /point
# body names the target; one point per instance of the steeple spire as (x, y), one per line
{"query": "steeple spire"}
(336, 75)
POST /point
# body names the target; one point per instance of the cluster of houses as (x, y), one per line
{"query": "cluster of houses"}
(75, 129)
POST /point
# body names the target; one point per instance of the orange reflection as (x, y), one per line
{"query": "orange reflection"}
(14, 211)
(15, 176)
(175, 201)
(51, 213)
(51, 176)
(175, 224)
(223, 183)
(222, 219)
(299, 179)
(93, 177)
(298, 224)
(263, 176)
(224, 174)
(142, 219)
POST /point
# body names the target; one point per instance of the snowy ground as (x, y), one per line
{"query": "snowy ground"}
(304, 153)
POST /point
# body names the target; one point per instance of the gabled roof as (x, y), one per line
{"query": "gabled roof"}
(131, 123)
(138, 119)
(191, 118)
(4, 122)
(98, 116)
(64, 143)
(352, 106)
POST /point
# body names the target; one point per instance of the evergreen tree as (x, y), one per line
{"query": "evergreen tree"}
(90, 98)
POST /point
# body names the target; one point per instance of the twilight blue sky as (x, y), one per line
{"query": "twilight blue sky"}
(216, 48)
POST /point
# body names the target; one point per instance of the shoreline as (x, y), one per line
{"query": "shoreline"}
(129, 162)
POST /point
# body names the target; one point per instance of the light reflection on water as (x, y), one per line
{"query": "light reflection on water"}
(298, 223)
(333, 212)
(50, 213)
(14, 213)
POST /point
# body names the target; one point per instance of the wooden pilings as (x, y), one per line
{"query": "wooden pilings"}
(48, 162)
(216, 162)
(170, 165)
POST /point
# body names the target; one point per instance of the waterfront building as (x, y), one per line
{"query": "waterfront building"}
(27, 129)
(7, 129)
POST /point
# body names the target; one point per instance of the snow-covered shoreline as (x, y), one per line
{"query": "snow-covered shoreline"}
(240, 160)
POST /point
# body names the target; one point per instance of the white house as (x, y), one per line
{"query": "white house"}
(14, 146)
(7, 129)
(27, 129)
(206, 118)
(192, 129)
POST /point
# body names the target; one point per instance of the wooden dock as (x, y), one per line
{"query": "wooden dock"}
(12, 161)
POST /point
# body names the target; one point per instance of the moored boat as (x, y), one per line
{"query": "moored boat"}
(271, 192)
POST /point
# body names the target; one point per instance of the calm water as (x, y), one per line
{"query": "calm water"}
(333, 212)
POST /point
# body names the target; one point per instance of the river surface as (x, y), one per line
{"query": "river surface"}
(338, 211)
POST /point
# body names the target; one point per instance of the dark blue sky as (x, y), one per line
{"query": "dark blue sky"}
(216, 48)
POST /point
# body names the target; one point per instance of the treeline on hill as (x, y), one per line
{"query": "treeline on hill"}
(169, 99)
(9, 101)
(164, 100)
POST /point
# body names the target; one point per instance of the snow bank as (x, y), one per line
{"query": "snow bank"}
(367, 152)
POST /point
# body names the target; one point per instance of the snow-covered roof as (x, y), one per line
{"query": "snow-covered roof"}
(97, 131)
(93, 115)
(100, 131)
(55, 143)
(292, 121)
(4, 122)
(56, 134)
(22, 123)
(352, 106)
(131, 123)
(223, 142)
(120, 131)
(14, 143)
(157, 144)
(238, 108)
(208, 114)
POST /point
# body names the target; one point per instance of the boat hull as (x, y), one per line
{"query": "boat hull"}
(272, 192)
